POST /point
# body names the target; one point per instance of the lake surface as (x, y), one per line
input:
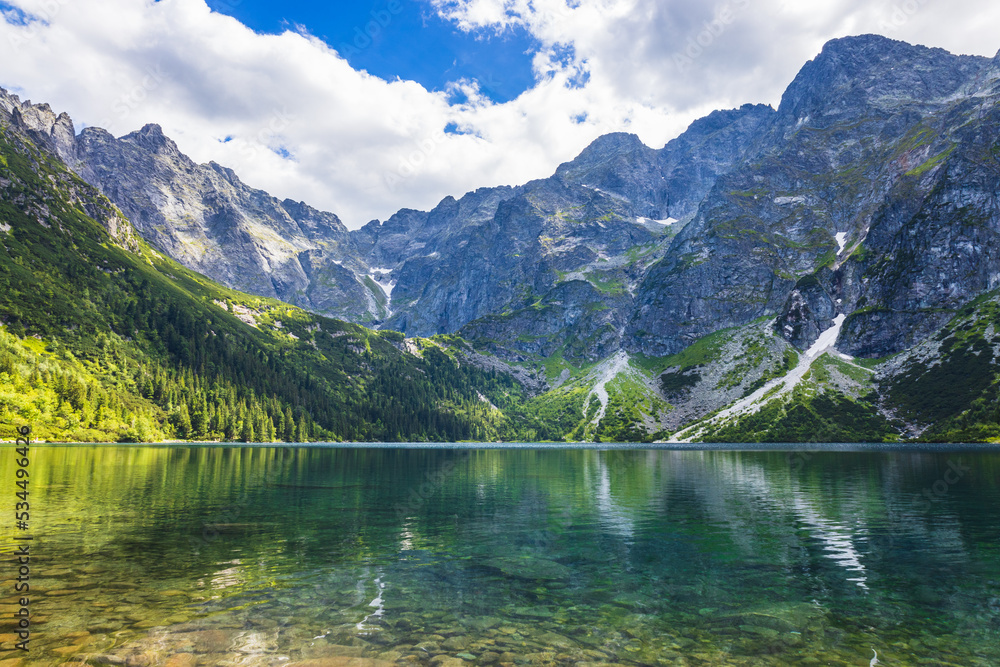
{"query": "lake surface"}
(348, 556)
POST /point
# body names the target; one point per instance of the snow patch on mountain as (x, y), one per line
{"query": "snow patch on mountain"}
(382, 277)
(605, 372)
(785, 384)
(841, 241)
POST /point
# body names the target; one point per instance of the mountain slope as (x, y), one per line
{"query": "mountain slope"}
(861, 132)
(945, 389)
(418, 272)
(639, 293)
(580, 240)
(762, 198)
(104, 338)
(750, 202)
(206, 218)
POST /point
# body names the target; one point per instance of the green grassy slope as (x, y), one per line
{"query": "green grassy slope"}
(102, 338)
(949, 386)
(105, 339)
(945, 389)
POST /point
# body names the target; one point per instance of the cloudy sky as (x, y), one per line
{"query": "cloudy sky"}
(366, 107)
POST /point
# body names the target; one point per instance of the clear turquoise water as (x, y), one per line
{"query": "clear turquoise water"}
(278, 556)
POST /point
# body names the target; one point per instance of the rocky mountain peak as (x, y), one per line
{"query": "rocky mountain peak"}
(55, 132)
(604, 149)
(228, 174)
(8, 100)
(447, 206)
(614, 142)
(151, 138)
(720, 119)
(990, 80)
(626, 245)
(313, 220)
(857, 73)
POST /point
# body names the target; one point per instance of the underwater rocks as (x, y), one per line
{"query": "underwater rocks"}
(530, 568)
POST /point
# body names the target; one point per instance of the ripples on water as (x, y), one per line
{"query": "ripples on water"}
(330, 556)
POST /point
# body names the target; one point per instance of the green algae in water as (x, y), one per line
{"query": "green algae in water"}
(277, 556)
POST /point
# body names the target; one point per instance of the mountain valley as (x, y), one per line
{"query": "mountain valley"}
(825, 271)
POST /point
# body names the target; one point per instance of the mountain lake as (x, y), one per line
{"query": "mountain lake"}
(507, 555)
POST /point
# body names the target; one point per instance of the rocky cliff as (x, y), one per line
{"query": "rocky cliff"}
(206, 218)
(869, 192)
(829, 269)
(844, 178)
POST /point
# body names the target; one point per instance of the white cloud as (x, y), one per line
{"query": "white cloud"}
(301, 123)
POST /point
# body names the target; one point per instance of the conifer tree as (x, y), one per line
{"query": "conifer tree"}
(183, 421)
(301, 434)
(246, 433)
(289, 434)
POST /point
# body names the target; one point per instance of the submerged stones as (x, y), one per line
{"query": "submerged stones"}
(328, 650)
(341, 661)
(556, 640)
(530, 568)
(770, 635)
(603, 623)
(455, 643)
(790, 617)
(533, 612)
(504, 609)
(447, 661)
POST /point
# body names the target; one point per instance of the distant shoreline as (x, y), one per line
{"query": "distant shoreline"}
(831, 447)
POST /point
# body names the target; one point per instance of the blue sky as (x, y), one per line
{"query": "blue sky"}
(449, 96)
(402, 38)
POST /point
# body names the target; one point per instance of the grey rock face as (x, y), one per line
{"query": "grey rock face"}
(808, 311)
(621, 165)
(506, 254)
(853, 135)
(935, 246)
(869, 192)
(495, 251)
(670, 182)
(209, 220)
(711, 146)
(872, 73)
(24, 123)
(513, 258)
(574, 319)
(54, 132)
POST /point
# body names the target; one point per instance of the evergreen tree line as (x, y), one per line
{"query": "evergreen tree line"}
(127, 345)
